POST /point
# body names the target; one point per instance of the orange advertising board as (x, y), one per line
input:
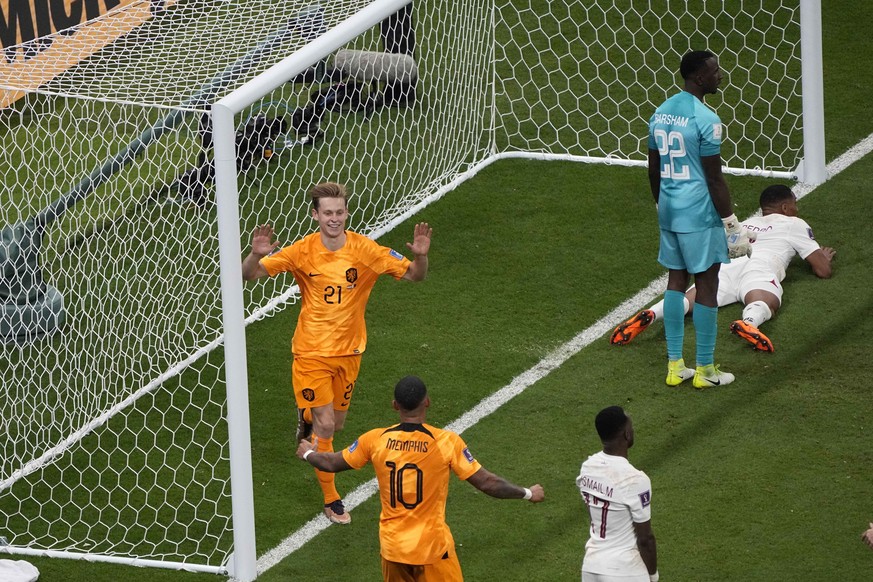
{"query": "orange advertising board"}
(42, 38)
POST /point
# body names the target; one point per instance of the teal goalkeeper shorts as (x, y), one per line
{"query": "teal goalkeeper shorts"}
(694, 252)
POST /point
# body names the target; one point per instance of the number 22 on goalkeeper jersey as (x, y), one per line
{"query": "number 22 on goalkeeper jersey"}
(682, 130)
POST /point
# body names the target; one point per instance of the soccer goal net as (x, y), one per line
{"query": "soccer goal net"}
(141, 145)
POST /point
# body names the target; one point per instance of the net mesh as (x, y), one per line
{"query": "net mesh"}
(114, 397)
(583, 78)
(163, 53)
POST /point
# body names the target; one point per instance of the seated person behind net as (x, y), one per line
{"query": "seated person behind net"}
(755, 281)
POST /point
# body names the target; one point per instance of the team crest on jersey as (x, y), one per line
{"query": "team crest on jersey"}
(646, 498)
(351, 275)
(809, 232)
(716, 130)
(308, 394)
(353, 446)
(395, 254)
(468, 455)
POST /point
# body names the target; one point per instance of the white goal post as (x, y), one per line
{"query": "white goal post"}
(141, 145)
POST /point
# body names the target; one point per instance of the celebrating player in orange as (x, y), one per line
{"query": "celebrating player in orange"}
(412, 461)
(336, 270)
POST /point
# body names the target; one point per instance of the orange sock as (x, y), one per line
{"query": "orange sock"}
(326, 480)
(307, 415)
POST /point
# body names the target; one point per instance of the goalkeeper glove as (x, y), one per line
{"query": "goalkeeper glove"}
(739, 240)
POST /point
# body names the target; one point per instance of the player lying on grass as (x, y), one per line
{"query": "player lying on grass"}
(755, 281)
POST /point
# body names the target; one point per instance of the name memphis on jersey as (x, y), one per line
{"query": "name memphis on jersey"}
(398, 445)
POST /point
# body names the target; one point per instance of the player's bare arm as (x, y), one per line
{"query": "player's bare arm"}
(496, 486)
(820, 262)
(718, 188)
(262, 245)
(419, 247)
(646, 545)
(330, 462)
(655, 174)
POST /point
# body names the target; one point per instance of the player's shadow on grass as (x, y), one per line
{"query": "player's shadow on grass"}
(817, 346)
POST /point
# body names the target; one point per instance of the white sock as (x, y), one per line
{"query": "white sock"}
(756, 313)
(658, 308)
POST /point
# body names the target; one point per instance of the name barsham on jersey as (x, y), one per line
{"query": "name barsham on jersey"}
(596, 486)
(670, 119)
(398, 445)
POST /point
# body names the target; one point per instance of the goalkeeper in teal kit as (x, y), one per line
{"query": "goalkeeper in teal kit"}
(699, 230)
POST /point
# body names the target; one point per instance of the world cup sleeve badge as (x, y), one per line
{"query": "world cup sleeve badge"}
(646, 498)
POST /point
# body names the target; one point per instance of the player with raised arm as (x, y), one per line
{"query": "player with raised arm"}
(755, 281)
(336, 270)
(699, 230)
(413, 461)
(621, 545)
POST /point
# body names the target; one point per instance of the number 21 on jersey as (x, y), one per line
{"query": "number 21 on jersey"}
(671, 147)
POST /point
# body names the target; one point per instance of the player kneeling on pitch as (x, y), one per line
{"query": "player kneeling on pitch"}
(755, 281)
(412, 461)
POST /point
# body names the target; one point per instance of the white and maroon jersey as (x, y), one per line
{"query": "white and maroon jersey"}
(617, 495)
(779, 238)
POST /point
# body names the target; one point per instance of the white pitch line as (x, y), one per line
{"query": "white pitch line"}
(531, 376)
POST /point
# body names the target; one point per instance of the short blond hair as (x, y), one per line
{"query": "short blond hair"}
(328, 190)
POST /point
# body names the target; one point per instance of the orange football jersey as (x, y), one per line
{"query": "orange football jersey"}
(412, 463)
(334, 288)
